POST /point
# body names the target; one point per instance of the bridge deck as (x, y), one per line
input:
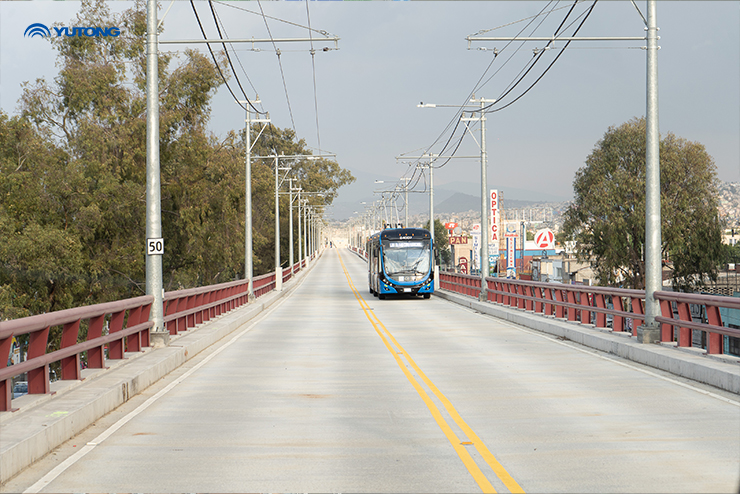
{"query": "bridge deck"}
(334, 390)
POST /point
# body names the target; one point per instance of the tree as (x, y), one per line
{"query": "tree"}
(441, 242)
(607, 217)
(73, 176)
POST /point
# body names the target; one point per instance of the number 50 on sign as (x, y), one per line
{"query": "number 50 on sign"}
(154, 246)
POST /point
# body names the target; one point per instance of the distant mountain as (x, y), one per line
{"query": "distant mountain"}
(458, 203)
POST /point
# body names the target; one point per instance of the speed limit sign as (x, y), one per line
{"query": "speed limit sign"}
(154, 246)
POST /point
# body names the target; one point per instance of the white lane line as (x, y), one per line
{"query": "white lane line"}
(62, 467)
(613, 360)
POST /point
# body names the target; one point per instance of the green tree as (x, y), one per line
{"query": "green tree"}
(607, 217)
(442, 252)
(320, 178)
(73, 176)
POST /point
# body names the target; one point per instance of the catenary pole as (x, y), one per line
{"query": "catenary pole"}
(650, 331)
(154, 285)
(248, 240)
(484, 207)
(278, 271)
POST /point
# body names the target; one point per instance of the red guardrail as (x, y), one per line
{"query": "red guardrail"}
(183, 309)
(134, 312)
(360, 252)
(590, 305)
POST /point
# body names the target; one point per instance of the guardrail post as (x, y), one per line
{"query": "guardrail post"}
(71, 365)
(714, 340)
(115, 348)
(684, 314)
(133, 341)
(666, 330)
(38, 379)
(6, 385)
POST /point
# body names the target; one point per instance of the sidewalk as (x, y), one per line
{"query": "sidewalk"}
(43, 422)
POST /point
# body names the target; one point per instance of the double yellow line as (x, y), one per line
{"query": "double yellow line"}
(458, 445)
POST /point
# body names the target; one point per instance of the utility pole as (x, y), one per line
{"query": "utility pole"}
(154, 241)
(290, 225)
(248, 242)
(484, 181)
(484, 199)
(649, 332)
(278, 269)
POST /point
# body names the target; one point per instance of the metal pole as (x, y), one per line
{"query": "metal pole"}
(298, 207)
(248, 266)
(290, 227)
(484, 207)
(278, 271)
(650, 331)
(431, 206)
(306, 227)
(154, 285)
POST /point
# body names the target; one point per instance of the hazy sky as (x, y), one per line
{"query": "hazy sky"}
(393, 55)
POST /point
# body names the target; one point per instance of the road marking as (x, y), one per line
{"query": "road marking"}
(458, 445)
(62, 467)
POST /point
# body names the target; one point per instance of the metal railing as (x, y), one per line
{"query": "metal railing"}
(100, 318)
(183, 309)
(620, 310)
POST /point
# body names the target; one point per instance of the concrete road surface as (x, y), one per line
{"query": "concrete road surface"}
(334, 390)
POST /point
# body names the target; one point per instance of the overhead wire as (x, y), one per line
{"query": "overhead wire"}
(228, 58)
(236, 54)
(280, 63)
(313, 69)
(261, 14)
(458, 114)
(551, 63)
(215, 62)
(527, 68)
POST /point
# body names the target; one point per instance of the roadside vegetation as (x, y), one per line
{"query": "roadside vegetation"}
(73, 176)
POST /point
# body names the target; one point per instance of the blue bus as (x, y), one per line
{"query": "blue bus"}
(400, 262)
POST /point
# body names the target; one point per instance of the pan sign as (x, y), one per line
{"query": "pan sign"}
(544, 239)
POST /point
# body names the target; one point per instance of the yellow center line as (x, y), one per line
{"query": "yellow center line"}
(467, 460)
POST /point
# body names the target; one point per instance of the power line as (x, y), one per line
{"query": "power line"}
(313, 68)
(228, 58)
(262, 14)
(280, 63)
(215, 62)
(549, 66)
(236, 54)
(478, 85)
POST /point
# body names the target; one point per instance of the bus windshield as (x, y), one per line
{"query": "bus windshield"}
(409, 259)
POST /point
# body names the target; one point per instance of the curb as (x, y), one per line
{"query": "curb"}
(721, 374)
